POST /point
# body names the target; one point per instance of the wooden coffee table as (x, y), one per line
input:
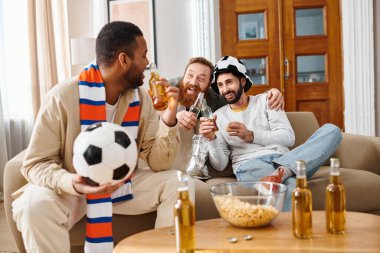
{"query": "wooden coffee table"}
(362, 235)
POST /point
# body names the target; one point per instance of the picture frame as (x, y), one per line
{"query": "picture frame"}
(142, 14)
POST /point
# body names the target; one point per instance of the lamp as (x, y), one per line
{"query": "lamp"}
(82, 50)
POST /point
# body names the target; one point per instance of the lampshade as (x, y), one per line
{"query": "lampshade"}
(82, 50)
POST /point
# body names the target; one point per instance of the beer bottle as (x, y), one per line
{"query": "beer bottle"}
(184, 216)
(206, 111)
(157, 91)
(197, 106)
(335, 200)
(301, 205)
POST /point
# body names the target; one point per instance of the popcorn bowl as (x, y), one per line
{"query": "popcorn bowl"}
(249, 204)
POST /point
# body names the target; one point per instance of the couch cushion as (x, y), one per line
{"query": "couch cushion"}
(228, 172)
(362, 189)
(304, 125)
(359, 152)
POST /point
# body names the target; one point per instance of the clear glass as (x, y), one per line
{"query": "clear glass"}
(311, 68)
(256, 70)
(309, 22)
(251, 26)
(245, 204)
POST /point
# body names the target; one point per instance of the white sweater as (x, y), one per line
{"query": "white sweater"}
(272, 134)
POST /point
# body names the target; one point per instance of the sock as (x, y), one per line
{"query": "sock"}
(285, 173)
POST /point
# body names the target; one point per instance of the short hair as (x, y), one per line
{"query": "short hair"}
(203, 61)
(116, 37)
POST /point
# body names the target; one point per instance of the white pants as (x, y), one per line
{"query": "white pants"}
(45, 218)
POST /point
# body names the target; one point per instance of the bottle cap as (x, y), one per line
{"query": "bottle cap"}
(301, 169)
(334, 166)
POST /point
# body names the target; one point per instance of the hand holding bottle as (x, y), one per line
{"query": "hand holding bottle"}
(208, 128)
(157, 89)
(186, 120)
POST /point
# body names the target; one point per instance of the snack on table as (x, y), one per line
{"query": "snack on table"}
(244, 214)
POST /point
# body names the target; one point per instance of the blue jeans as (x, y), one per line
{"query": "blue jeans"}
(315, 151)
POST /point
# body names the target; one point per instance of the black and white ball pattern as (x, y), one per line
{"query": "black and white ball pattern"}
(105, 152)
(232, 64)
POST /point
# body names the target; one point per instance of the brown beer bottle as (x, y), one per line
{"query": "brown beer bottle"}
(157, 91)
(184, 216)
(335, 201)
(301, 205)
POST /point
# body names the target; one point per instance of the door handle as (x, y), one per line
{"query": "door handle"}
(287, 68)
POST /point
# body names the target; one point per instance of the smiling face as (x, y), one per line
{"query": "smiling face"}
(230, 87)
(196, 79)
(135, 75)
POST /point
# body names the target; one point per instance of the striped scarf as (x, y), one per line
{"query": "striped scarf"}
(92, 110)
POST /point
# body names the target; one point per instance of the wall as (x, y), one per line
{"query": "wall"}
(81, 25)
(173, 35)
(377, 65)
(173, 32)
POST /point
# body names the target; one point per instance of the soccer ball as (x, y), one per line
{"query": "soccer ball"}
(104, 152)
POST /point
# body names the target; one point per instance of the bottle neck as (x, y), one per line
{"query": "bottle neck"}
(301, 174)
(183, 193)
(183, 185)
(198, 102)
(301, 182)
(335, 179)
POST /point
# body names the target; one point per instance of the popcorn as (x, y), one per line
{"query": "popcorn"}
(244, 214)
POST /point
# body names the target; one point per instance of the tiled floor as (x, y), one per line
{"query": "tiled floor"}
(7, 244)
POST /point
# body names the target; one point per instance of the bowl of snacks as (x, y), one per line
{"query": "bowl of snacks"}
(249, 204)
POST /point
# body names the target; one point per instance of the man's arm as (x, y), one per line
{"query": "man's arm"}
(44, 159)
(43, 163)
(160, 142)
(275, 99)
(219, 152)
(280, 133)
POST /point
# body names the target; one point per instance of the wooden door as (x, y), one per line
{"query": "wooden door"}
(299, 45)
(249, 31)
(314, 58)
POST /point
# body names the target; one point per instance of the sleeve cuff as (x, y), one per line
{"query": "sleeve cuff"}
(259, 137)
(66, 184)
(167, 130)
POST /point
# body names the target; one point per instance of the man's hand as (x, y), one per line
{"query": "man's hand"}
(172, 93)
(236, 128)
(81, 186)
(186, 120)
(208, 128)
(275, 100)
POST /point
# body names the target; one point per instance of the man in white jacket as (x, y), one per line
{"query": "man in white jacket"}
(256, 138)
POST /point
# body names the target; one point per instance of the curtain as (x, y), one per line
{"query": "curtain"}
(49, 46)
(3, 147)
(34, 56)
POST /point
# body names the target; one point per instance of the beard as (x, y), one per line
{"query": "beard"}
(185, 98)
(134, 77)
(237, 97)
